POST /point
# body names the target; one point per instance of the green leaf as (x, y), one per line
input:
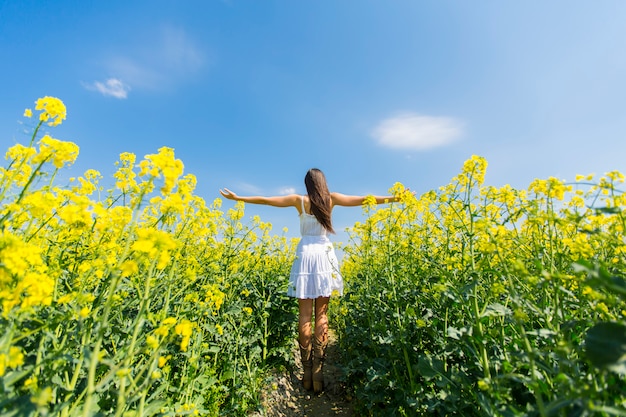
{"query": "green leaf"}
(429, 367)
(12, 377)
(606, 346)
(607, 210)
(496, 309)
(229, 374)
(600, 277)
(542, 333)
(610, 410)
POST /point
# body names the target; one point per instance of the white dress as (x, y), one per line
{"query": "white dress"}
(315, 272)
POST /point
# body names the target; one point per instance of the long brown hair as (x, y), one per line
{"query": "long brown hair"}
(319, 196)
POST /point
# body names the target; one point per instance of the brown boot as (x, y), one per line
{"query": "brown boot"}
(307, 363)
(319, 354)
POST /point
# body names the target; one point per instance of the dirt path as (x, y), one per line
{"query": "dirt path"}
(285, 397)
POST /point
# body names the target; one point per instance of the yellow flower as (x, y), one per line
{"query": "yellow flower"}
(88, 183)
(163, 163)
(214, 297)
(162, 331)
(16, 357)
(156, 244)
(52, 108)
(219, 329)
(169, 321)
(615, 176)
(184, 329)
(483, 385)
(76, 215)
(84, 312)
(125, 176)
(601, 307)
(24, 280)
(474, 169)
(28, 113)
(163, 360)
(31, 382)
(129, 267)
(60, 152)
(369, 202)
(65, 299)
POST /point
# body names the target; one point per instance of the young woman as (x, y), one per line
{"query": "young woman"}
(315, 273)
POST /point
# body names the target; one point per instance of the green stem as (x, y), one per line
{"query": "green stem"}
(23, 193)
(22, 162)
(531, 357)
(479, 330)
(95, 354)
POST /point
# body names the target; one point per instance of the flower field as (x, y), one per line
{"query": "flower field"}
(475, 300)
(143, 300)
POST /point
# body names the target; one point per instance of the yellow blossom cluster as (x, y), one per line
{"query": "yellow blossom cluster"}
(20, 170)
(52, 110)
(59, 152)
(184, 329)
(24, 278)
(11, 360)
(163, 163)
(155, 245)
(213, 297)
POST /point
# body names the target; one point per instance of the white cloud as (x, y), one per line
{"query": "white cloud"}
(134, 72)
(158, 62)
(287, 191)
(113, 87)
(417, 132)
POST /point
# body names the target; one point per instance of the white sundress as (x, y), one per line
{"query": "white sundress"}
(315, 271)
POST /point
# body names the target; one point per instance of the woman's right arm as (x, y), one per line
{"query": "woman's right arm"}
(276, 201)
(339, 199)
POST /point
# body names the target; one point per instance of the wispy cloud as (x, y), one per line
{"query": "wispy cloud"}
(287, 191)
(246, 188)
(178, 52)
(112, 87)
(417, 132)
(169, 58)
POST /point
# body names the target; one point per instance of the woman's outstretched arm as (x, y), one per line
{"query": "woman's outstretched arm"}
(276, 201)
(339, 199)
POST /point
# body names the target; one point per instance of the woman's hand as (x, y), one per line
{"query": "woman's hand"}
(229, 194)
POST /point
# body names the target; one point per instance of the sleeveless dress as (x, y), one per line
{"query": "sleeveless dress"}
(315, 272)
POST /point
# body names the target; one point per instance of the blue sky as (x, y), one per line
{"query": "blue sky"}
(251, 94)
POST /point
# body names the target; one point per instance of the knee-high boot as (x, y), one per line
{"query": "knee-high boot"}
(319, 354)
(307, 363)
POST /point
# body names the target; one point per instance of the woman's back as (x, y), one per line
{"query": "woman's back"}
(309, 225)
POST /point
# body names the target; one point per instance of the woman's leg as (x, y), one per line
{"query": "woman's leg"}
(304, 339)
(320, 340)
(305, 318)
(321, 319)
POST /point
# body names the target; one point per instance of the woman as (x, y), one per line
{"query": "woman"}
(315, 272)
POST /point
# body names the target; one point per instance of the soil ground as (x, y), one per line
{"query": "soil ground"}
(284, 395)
